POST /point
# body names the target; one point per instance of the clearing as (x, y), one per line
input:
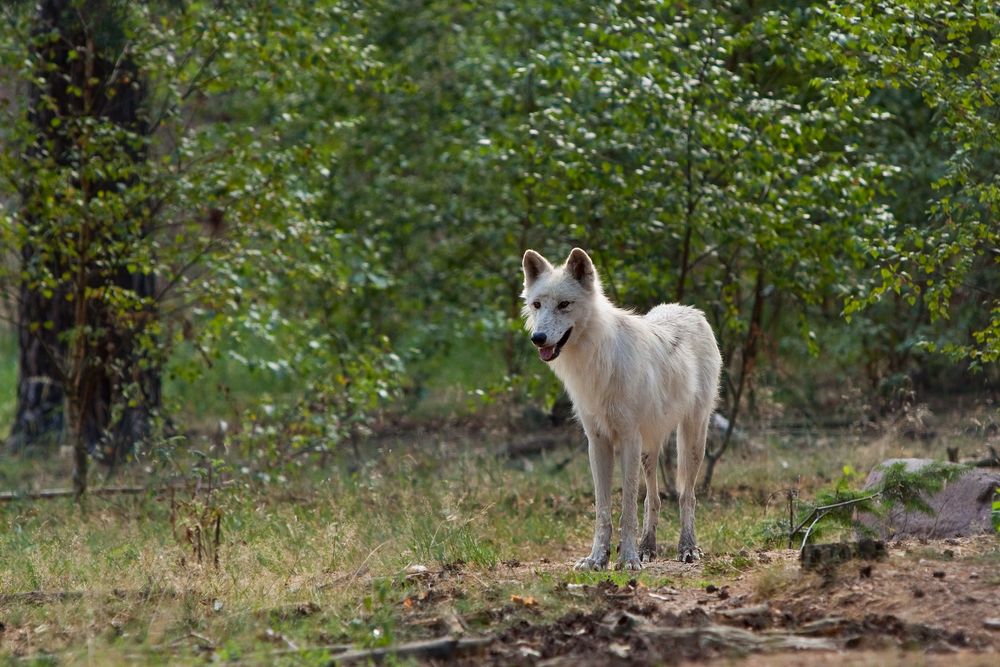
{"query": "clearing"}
(451, 542)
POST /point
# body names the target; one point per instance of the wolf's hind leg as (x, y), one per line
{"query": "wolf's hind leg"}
(651, 507)
(602, 468)
(690, 453)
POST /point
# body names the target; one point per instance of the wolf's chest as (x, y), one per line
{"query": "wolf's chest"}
(599, 403)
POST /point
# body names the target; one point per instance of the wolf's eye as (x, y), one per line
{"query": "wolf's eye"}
(563, 305)
(536, 305)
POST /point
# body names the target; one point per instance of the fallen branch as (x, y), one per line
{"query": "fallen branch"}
(50, 597)
(992, 460)
(39, 597)
(729, 639)
(724, 638)
(537, 443)
(194, 486)
(743, 612)
(47, 494)
(441, 648)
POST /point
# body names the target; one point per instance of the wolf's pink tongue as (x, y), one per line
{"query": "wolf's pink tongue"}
(547, 352)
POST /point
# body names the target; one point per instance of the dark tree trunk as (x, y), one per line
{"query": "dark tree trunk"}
(38, 421)
(88, 54)
(748, 363)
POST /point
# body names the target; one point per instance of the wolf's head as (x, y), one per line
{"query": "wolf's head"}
(557, 299)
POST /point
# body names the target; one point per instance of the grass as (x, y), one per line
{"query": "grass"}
(340, 545)
(323, 558)
(337, 555)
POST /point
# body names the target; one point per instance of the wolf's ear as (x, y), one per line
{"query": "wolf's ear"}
(582, 268)
(534, 265)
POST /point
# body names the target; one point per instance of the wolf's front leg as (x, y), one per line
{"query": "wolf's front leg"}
(628, 555)
(601, 467)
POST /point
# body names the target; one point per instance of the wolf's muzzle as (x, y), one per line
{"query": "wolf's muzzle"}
(549, 352)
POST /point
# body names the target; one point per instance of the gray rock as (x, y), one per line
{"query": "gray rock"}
(963, 507)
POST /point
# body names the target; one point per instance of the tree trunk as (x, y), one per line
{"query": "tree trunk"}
(748, 363)
(38, 421)
(85, 72)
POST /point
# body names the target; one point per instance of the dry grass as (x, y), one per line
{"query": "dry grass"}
(326, 557)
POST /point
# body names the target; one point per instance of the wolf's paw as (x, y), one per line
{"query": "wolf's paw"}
(647, 550)
(591, 563)
(631, 564)
(689, 554)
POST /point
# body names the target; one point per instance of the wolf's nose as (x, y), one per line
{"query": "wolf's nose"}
(538, 338)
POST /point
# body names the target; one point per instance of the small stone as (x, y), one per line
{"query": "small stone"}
(938, 574)
(620, 650)
(992, 623)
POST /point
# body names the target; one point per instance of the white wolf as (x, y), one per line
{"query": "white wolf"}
(633, 380)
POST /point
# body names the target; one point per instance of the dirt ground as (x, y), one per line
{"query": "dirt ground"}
(926, 603)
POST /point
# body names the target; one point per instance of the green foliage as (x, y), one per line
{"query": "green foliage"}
(217, 198)
(907, 489)
(684, 146)
(333, 197)
(996, 510)
(8, 379)
(944, 59)
(837, 508)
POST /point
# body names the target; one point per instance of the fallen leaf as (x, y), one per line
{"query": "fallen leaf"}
(525, 601)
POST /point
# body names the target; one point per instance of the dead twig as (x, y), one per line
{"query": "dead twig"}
(819, 512)
(47, 494)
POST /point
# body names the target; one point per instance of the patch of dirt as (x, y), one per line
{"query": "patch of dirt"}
(760, 608)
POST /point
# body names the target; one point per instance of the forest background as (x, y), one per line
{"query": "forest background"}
(321, 206)
(247, 238)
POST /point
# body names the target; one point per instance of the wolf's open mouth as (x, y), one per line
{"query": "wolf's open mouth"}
(550, 352)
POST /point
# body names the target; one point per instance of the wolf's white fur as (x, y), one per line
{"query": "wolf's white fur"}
(633, 380)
